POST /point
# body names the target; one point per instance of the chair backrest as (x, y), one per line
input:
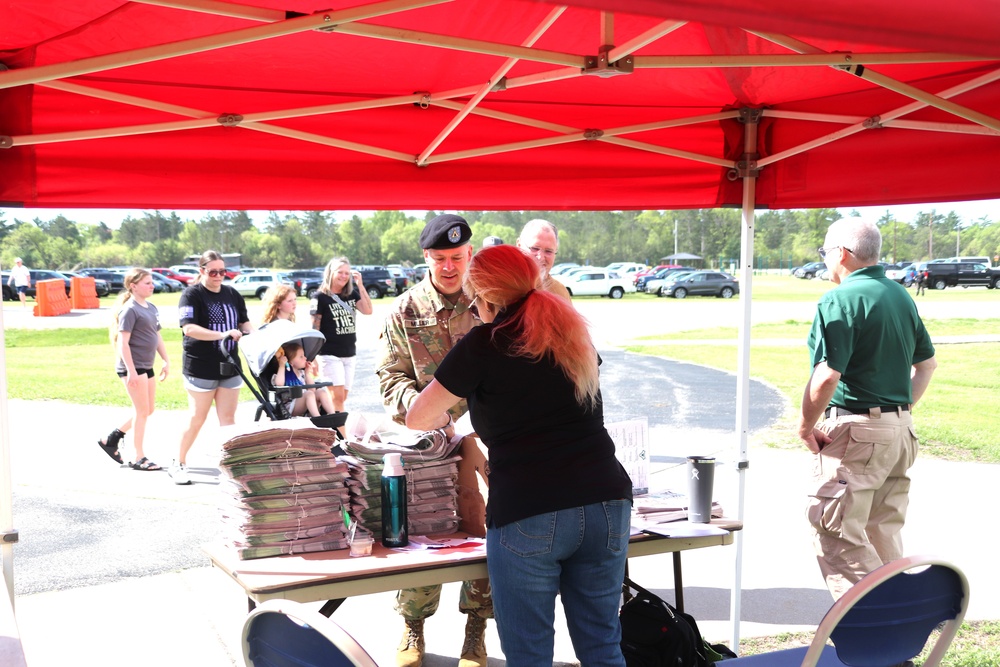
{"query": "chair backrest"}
(282, 633)
(887, 617)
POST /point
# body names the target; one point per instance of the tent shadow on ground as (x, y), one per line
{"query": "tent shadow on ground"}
(778, 606)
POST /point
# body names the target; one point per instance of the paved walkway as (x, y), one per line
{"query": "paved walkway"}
(193, 615)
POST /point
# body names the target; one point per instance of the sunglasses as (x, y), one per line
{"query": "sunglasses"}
(214, 273)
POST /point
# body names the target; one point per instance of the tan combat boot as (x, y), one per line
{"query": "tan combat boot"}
(411, 649)
(474, 648)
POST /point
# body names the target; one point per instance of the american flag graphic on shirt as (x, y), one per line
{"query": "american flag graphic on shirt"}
(222, 316)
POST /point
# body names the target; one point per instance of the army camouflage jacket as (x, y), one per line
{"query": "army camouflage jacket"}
(418, 333)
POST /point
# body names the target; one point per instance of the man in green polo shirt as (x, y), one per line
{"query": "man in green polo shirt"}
(872, 361)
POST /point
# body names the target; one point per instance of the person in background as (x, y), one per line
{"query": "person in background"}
(491, 241)
(557, 520)
(872, 361)
(213, 317)
(423, 324)
(279, 304)
(540, 239)
(135, 335)
(294, 369)
(20, 279)
(333, 314)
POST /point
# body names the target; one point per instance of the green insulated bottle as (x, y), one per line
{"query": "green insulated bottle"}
(394, 529)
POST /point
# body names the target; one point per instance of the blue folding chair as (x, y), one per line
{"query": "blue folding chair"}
(282, 633)
(883, 620)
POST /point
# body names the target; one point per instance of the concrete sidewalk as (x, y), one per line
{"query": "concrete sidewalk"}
(193, 615)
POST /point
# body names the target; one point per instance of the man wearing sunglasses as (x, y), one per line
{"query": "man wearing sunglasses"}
(872, 361)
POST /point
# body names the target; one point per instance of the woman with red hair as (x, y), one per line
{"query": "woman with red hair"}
(559, 506)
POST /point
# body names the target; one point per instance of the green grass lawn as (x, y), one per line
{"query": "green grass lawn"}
(947, 427)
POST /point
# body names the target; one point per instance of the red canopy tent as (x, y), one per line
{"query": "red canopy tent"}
(487, 104)
(498, 104)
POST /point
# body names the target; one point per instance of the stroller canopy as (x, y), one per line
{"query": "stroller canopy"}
(261, 346)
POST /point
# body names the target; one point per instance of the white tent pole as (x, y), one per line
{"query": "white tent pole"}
(748, 170)
(8, 536)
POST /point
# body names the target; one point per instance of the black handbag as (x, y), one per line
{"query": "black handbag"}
(655, 634)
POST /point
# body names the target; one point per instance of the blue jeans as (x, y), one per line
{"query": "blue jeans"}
(579, 553)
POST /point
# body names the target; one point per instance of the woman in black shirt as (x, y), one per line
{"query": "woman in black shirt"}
(559, 505)
(213, 316)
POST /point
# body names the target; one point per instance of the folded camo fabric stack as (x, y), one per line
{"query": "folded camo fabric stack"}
(431, 464)
(283, 491)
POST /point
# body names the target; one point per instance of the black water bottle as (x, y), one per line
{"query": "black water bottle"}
(394, 529)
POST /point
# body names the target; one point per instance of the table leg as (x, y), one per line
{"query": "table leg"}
(331, 606)
(678, 583)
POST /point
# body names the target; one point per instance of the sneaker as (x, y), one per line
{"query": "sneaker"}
(179, 473)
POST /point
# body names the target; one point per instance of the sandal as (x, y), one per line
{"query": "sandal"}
(111, 446)
(145, 464)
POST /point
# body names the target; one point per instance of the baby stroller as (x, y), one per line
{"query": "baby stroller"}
(260, 349)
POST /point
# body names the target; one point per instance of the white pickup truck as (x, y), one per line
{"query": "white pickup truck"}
(596, 282)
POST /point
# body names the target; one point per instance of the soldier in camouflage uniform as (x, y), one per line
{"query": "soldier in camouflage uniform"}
(424, 324)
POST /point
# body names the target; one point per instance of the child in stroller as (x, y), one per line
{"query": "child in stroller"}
(295, 370)
(290, 390)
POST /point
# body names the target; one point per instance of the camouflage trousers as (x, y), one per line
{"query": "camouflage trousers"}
(415, 604)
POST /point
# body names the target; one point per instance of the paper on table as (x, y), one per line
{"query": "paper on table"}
(684, 529)
(421, 542)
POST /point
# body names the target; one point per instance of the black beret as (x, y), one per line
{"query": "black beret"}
(445, 232)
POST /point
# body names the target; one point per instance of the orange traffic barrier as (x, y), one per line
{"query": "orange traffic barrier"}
(83, 293)
(51, 298)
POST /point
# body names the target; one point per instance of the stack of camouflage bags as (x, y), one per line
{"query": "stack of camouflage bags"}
(283, 491)
(431, 463)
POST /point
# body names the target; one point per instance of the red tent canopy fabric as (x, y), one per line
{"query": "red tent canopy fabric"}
(495, 104)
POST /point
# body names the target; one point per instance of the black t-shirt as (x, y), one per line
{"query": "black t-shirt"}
(546, 451)
(219, 311)
(337, 323)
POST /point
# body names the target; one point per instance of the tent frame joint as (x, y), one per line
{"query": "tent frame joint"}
(592, 135)
(230, 119)
(742, 465)
(9, 536)
(500, 85)
(750, 115)
(873, 123)
(425, 99)
(599, 65)
(746, 167)
(6, 141)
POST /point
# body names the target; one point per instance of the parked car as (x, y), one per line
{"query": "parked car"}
(939, 275)
(377, 280)
(163, 284)
(625, 269)
(904, 275)
(399, 275)
(562, 267)
(115, 280)
(653, 283)
(306, 281)
(642, 273)
(419, 271)
(596, 282)
(10, 293)
(256, 284)
(701, 283)
(100, 286)
(186, 269)
(809, 270)
(183, 278)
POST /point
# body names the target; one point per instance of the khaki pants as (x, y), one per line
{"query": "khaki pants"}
(415, 604)
(862, 491)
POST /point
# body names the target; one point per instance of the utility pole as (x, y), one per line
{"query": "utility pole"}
(930, 236)
(675, 239)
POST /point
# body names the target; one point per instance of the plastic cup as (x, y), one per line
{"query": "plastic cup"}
(701, 479)
(361, 545)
